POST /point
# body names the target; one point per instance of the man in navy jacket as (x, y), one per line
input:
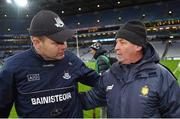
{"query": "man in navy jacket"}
(136, 86)
(43, 81)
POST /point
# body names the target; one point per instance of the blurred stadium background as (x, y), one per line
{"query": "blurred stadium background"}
(95, 20)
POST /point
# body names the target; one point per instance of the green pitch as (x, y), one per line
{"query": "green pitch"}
(173, 65)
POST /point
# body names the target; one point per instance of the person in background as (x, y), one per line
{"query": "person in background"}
(99, 54)
(137, 86)
(102, 64)
(43, 80)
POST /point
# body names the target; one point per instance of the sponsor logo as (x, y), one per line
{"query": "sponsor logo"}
(109, 87)
(33, 77)
(51, 99)
(70, 63)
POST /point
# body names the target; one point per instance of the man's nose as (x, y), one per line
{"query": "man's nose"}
(116, 47)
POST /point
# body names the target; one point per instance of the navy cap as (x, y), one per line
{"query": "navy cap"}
(48, 23)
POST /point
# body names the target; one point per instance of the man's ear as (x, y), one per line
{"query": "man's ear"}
(139, 48)
(36, 42)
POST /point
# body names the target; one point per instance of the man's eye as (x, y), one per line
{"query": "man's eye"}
(122, 42)
(54, 43)
(60, 43)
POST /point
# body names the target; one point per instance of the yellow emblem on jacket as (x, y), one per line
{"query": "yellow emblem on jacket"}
(144, 90)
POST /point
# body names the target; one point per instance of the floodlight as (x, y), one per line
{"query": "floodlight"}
(21, 3)
(9, 1)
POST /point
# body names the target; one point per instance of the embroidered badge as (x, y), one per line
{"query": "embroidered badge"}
(59, 22)
(66, 75)
(144, 91)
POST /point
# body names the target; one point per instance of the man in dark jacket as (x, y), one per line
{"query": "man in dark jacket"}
(99, 54)
(43, 81)
(136, 86)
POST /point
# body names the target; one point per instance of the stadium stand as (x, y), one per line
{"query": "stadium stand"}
(155, 15)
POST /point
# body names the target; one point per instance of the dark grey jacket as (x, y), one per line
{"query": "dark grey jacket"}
(144, 89)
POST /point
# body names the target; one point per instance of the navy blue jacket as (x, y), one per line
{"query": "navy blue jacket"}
(42, 88)
(143, 89)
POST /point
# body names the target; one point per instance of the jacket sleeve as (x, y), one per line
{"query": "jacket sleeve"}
(95, 97)
(170, 96)
(88, 76)
(6, 92)
(83, 74)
